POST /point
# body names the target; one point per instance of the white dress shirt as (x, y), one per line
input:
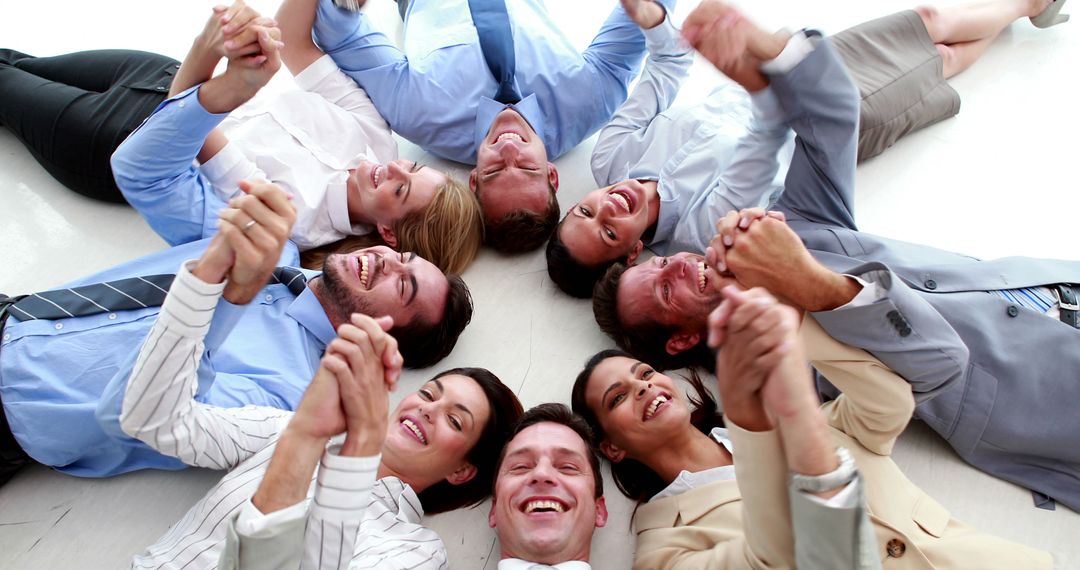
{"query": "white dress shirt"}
(728, 153)
(305, 141)
(519, 564)
(369, 522)
(847, 498)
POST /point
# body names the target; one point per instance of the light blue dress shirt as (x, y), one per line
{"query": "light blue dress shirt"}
(730, 152)
(437, 92)
(62, 381)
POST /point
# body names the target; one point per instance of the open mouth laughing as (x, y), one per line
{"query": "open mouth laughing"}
(655, 406)
(539, 505)
(510, 135)
(625, 200)
(703, 278)
(414, 429)
(378, 174)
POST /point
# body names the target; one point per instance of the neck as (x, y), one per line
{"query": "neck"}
(690, 451)
(316, 286)
(417, 485)
(549, 559)
(352, 203)
(652, 196)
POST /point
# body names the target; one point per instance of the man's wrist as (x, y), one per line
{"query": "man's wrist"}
(224, 93)
(747, 412)
(764, 46)
(825, 290)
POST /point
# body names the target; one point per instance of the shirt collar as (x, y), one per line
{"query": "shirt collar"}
(519, 564)
(337, 207)
(308, 311)
(488, 109)
(668, 217)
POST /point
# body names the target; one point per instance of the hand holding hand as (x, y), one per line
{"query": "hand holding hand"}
(364, 380)
(718, 32)
(727, 229)
(645, 13)
(751, 330)
(256, 227)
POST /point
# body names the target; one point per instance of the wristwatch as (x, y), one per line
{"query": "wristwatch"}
(842, 475)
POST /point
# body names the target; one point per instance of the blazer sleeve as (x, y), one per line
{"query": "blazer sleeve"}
(689, 531)
(903, 330)
(876, 403)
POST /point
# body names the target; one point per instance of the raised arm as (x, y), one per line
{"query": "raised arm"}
(153, 167)
(666, 67)
(158, 405)
(296, 18)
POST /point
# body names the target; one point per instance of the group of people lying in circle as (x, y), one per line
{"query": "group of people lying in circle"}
(252, 361)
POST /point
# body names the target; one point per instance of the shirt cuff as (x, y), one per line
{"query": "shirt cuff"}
(344, 484)
(222, 171)
(309, 78)
(189, 305)
(799, 46)
(664, 37)
(870, 293)
(766, 107)
(252, 523)
(847, 498)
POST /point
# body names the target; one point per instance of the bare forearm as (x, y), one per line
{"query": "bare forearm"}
(295, 19)
(224, 93)
(197, 67)
(288, 477)
(824, 290)
(808, 445)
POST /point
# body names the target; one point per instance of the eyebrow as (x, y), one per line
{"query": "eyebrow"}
(558, 451)
(603, 399)
(438, 385)
(415, 286)
(416, 168)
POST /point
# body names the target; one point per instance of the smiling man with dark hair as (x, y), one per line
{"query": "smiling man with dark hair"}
(549, 495)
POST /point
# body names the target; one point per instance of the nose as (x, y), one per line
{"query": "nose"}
(391, 261)
(398, 169)
(508, 151)
(643, 388)
(544, 473)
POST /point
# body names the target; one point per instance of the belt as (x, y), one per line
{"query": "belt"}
(1068, 309)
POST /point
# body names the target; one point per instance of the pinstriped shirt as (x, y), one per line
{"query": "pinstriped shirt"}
(355, 521)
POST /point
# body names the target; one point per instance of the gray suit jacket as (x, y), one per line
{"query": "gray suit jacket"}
(999, 384)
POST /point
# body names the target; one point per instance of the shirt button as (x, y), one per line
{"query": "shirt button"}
(182, 104)
(930, 284)
(268, 297)
(161, 88)
(7, 336)
(58, 326)
(1012, 311)
(895, 548)
(112, 316)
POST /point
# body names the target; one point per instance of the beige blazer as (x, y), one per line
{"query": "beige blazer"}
(748, 525)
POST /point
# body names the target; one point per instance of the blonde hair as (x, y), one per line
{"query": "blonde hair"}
(448, 233)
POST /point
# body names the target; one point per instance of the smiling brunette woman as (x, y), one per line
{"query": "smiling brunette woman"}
(783, 485)
(437, 451)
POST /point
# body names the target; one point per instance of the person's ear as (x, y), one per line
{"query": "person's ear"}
(553, 176)
(463, 475)
(387, 234)
(613, 452)
(635, 252)
(681, 342)
(601, 512)
(491, 513)
(474, 183)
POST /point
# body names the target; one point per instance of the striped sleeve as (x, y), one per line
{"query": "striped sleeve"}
(342, 495)
(159, 406)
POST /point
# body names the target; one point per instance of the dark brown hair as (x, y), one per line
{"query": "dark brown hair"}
(521, 230)
(573, 277)
(635, 479)
(560, 414)
(646, 339)
(505, 411)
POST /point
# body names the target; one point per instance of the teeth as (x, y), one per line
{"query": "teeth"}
(419, 434)
(379, 170)
(655, 405)
(364, 271)
(505, 136)
(621, 200)
(701, 276)
(548, 505)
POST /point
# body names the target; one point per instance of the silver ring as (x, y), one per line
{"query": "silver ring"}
(248, 226)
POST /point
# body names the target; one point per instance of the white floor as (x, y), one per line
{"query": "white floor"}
(952, 186)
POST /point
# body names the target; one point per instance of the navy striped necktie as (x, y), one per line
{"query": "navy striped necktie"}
(497, 42)
(119, 295)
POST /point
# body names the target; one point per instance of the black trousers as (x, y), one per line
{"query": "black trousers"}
(72, 111)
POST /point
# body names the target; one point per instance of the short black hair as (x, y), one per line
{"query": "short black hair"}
(561, 414)
(573, 277)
